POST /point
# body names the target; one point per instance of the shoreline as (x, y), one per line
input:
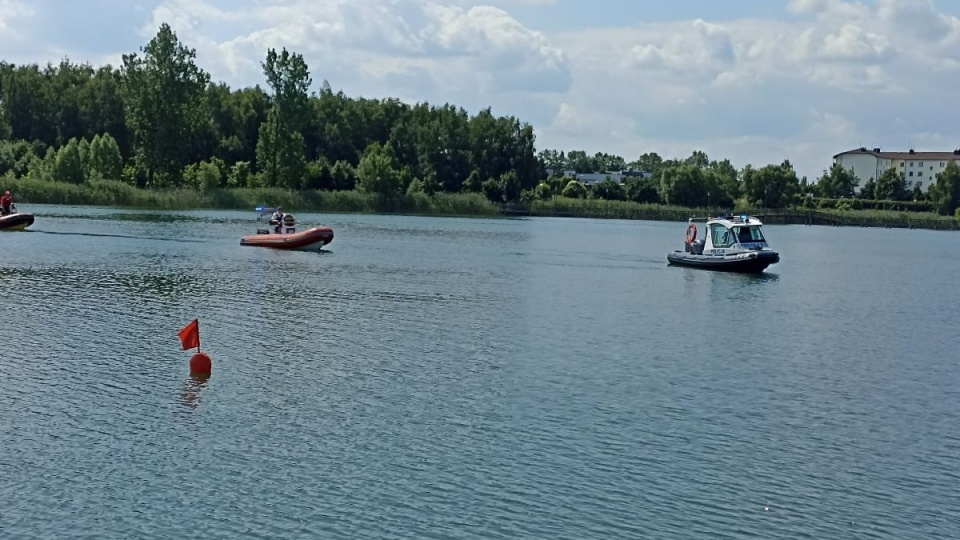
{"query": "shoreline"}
(112, 194)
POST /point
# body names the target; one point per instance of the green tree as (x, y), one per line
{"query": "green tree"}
(945, 194)
(729, 181)
(317, 174)
(493, 190)
(30, 105)
(609, 190)
(68, 166)
(642, 190)
(553, 160)
(430, 183)
(102, 108)
(164, 92)
(543, 191)
(280, 150)
(580, 162)
(698, 159)
(473, 183)
(574, 190)
(688, 185)
(837, 182)
(343, 176)
(84, 146)
(414, 187)
(773, 186)
(868, 191)
(377, 171)
(603, 162)
(650, 162)
(105, 159)
(510, 185)
(891, 186)
(6, 132)
(204, 176)
(239, 175)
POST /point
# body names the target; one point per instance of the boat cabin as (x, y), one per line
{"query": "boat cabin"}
(722, 235)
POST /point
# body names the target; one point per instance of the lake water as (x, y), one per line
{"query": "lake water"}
(474, 378)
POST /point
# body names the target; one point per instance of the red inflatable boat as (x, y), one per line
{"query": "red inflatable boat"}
(308, 240)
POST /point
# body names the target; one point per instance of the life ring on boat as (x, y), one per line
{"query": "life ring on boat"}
(691, 233)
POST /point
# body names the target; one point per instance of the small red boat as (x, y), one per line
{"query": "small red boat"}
(308, 240)
(15, 221)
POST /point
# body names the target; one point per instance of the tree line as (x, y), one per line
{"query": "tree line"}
(698, 181)
(158, 121)
(162, 118)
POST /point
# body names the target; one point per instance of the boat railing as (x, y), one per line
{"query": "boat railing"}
(739, 218)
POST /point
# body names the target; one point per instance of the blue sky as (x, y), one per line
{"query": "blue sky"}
(755, 81)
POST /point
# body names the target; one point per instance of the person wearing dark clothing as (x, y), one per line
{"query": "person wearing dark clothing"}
(6, 202)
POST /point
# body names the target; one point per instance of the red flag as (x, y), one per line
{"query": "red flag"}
(190, 335)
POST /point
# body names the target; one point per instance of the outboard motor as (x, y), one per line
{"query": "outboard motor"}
(288, 223)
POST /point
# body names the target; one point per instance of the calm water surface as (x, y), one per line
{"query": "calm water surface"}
(474, 378)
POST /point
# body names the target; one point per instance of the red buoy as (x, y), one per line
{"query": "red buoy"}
(200, 364)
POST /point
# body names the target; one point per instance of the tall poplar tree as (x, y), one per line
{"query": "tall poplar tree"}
(280, 148)
(164, 92)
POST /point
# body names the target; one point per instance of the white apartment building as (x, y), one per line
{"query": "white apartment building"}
(918, 168)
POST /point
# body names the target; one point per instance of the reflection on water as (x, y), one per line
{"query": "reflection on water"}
(192, 388)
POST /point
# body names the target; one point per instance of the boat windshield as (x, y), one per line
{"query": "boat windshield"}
(749, 234)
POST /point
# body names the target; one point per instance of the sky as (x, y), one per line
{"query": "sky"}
(754, 81)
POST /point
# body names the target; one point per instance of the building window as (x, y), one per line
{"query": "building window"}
(919, 173)
(931, 167)
(941, 164)
(919, 185)
(911, 164)
(911, 173)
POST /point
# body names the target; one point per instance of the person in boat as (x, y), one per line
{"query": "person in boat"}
(277, 220)
(6, 203)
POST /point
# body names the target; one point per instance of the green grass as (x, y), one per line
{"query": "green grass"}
(599, 208)
(886, 215)
(118, 194)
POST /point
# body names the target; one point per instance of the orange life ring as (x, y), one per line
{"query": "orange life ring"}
(691, 233)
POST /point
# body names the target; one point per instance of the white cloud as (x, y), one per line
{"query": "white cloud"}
(701, 48)
(918, 19)
(437, 47)
(489, 39)
(836, 125)
(10, 12)
(746, 89)
(849, 43)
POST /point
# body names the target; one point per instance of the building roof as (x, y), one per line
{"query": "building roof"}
(933, 156)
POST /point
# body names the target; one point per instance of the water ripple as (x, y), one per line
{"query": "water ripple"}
(469, 379)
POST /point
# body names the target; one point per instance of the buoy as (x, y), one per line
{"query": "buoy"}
(200, 364)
